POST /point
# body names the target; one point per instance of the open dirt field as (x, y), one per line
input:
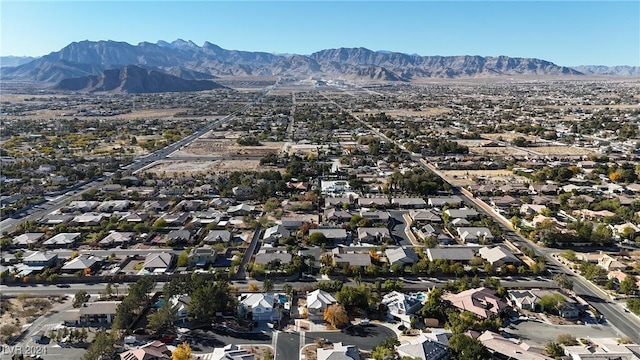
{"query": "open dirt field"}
(409, 112)
(561, 150)
(508, 137)
(497, 151)
(228, 148)
(465, 177)
(205, 167)
(142, 114)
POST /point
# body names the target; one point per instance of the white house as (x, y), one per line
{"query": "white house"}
(317, 302)
(261, 306)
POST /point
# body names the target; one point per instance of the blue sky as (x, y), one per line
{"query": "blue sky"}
(564, 32)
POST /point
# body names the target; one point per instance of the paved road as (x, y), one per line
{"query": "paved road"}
(287, 346)
(410, 284)
(365, 337)
(398, 228)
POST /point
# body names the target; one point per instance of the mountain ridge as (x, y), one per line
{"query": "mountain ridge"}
(132, 79)
(190, 61)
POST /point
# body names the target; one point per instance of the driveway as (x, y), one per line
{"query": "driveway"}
(365, 337)
(398, 226)
(539, 333)
(288, 346)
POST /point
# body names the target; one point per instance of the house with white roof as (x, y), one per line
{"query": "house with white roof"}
(275, 233)
(24, 240)
(228, 352)
(317, 302)
(498, 256)
(181, 304)
(261, 306)
(62, 240)
(82, 262)
(157, 262)
(401, 256)
(474, 235)
(401, 306)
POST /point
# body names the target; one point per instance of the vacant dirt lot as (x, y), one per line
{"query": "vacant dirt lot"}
(497, 151)
(409, 112)
(228, 148)
(173, 168)
(465, 177)
(561, 150)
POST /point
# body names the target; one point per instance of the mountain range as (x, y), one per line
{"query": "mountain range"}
(133, 79)
(189, 61)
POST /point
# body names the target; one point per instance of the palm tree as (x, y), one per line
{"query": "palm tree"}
(267, 285)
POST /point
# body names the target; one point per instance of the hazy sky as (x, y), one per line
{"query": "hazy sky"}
(564, 32)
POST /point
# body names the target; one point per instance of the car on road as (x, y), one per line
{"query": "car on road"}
(364, 322)
(63, 285)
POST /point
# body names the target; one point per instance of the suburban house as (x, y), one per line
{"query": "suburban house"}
(87, 219)
(424, 348)
(373, 235)
(373, 202)
(27, 239)
(339, 351)
(474, 235)
(202, 256)
(342, 258)
(264, 257)
(261, 306)
(40, 259)
(481, 301)
(99, 313)
(117, 238)
(217, 236)
(179, 236)
(464, 213)
(530, 299)
(401, 306)
(424, 216)
(503, 348)
(441, 201)
(334, 215)
(401, 256)
(155, 350)
(338, 236)
(158, 262)
(62, 240)
(240, 210)
(275, 233)
(610, 263)
(317, 303)
(84, 262)
(181, 304)
(498, 256)
(409, 203)
(457, 254)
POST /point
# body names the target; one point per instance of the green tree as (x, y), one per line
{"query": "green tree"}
(554, 350)
(467, 348)
(163, 319)
(80, 298)
(101, 347)
(267, 285)
(183, 258)
(552, 301)
(563, 281)
(628, 286)
(634, 305)
(354, 297)
(386, 349)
